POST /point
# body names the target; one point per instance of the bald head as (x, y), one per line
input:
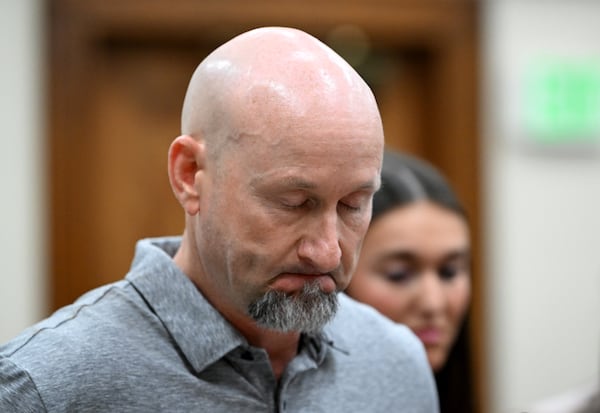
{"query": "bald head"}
(276, 168)
(263, 79)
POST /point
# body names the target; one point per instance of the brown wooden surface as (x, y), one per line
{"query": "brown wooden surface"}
(118, 74)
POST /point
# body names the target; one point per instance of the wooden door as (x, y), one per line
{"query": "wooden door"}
(118, 75)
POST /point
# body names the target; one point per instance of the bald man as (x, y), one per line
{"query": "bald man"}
(276, 167)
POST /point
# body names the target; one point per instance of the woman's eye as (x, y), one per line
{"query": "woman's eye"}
(399, 276)
(448, 272)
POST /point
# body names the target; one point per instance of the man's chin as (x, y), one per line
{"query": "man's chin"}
(307, 310)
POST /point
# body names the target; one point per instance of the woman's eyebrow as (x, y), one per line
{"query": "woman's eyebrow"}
(399, 255)
(462, 253)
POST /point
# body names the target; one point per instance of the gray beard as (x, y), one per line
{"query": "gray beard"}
(307, 311)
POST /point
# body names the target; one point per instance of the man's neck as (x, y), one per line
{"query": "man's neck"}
(281, 347)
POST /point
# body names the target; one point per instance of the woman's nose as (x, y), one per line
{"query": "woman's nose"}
(431, 292)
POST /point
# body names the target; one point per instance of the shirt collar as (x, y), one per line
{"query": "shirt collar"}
(200, 331)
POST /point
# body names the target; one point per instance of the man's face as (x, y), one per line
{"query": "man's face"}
(285, 210)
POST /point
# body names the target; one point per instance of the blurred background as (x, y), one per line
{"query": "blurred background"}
(502, 95)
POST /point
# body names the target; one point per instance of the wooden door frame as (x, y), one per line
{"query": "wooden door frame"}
(447, 30)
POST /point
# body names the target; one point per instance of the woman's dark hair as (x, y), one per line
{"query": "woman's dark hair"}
(404, 180)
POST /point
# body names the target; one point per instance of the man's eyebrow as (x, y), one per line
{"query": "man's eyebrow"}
(287, 182)
(301, 183)
(298, 182)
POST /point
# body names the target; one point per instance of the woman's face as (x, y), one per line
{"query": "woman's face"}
(414, 268)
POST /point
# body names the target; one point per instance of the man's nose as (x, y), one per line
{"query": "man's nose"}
(320, 246)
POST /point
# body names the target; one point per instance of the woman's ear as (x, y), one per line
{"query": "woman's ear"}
(186, 160)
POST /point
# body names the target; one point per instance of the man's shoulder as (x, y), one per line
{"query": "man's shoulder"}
(18, 392)
(79, 335)
(88, 342)
(361, 329)
(378, 347)
(359, 321)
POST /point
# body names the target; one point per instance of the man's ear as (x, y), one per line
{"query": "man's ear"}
(186, 166)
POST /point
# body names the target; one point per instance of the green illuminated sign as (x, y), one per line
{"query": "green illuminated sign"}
(563, 101)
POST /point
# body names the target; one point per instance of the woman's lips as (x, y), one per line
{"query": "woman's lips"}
(290, 282)
(429, 335)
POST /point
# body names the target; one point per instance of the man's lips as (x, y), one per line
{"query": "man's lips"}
(294, 282)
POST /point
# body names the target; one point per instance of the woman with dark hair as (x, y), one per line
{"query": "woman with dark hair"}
(414, 268)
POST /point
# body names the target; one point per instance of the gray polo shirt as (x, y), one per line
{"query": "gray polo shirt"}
(152, 343)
